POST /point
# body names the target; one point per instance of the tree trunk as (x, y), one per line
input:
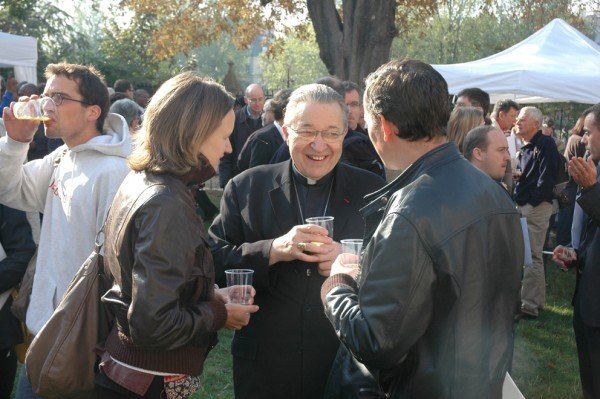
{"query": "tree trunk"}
(356, 46)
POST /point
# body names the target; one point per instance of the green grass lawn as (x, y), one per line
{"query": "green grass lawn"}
(545, 362)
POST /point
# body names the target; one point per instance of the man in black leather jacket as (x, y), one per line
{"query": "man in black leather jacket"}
(431, 312)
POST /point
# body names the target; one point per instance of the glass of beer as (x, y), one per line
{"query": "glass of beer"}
(34, 109)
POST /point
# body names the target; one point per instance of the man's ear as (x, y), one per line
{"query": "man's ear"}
(246, 100)
(284, 130)
(93, 112)
(477, 154)
(388, 128)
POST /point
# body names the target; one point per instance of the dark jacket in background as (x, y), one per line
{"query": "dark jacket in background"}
(15, 237)
(244, 126)
(439, 282)
(260, 147)
(287, 349)
(359, 151)
(539, 161)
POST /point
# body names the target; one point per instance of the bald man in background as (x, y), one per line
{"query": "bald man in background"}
(247, 120)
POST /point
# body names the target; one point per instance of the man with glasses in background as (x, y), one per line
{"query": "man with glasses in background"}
(287, 351)
(358, 149)
(247, 121)
(73, 186)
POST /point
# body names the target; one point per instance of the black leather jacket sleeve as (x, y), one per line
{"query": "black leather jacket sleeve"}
(396, 302)
(15, 237)
(163, 289)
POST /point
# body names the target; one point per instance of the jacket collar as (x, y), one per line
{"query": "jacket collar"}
(200, 174)
(281, 199)
(535, 139)
(440, 155)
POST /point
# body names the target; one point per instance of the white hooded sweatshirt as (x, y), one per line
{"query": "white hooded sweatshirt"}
(74, 197)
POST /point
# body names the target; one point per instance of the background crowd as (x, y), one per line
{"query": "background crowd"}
(447, 270)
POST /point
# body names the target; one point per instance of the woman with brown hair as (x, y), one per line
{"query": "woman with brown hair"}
(462, 120)
(166, 307)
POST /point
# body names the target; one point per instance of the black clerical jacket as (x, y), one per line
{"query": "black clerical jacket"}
(287, 349)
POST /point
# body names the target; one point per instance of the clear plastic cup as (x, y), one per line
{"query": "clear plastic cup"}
(323, 221)
(239, 282)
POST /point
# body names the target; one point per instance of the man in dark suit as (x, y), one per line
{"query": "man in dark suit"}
(247, 121)
(18, 246)
(288, 348)
(263, 143)
(358, 149)
(586, 315)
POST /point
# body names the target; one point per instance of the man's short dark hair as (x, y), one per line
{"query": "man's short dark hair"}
(548, 122)
(116, 97)
(349, 86)
(90, 83)
(122, 85)
(411, 95)
(504, 106)
(477, 96)
(139, 92)
(27, 90)
(594, 109)
(333, 82)
(476, 138)
(279, 103)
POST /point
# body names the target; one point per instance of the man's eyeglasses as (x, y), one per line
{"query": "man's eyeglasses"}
(354, 104)
(256, 100)
(329, 136)
(58, 99)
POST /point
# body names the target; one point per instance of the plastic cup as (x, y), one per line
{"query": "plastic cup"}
(350, 255)
(323, 221)
(34, 110)
(239, 282)
(352, 246)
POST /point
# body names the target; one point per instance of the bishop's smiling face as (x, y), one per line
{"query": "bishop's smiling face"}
(314, 158)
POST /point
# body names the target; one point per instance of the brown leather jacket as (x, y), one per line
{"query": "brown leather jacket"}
(163, 291)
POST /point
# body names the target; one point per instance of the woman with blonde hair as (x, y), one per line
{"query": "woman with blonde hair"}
(167, 310)
(462, 120)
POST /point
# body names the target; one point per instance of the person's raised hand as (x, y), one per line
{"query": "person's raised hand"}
(583, 172)
(19, 129)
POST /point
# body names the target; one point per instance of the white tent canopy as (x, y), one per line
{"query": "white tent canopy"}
(20, 53)
(557, 63)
